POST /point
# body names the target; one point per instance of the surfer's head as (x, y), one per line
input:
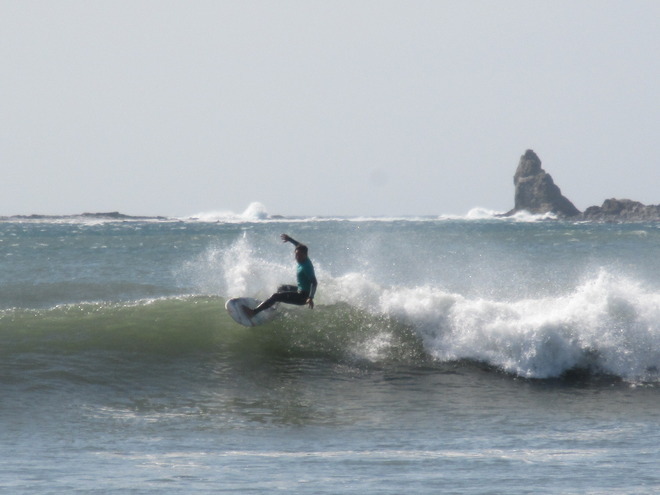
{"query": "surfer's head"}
(301, 252)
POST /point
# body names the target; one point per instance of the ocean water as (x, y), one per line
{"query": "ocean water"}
(444, 355)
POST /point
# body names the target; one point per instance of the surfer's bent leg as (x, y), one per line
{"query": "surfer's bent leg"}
(288, 297)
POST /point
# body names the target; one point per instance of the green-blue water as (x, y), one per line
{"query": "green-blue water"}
(443, 356)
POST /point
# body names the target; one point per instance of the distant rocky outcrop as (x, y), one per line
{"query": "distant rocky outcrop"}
(108, 216)
(622, 210)
(536, 192)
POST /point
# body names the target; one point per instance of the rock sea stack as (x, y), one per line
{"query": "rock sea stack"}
(536, 192)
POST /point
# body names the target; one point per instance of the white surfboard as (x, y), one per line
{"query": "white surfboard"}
(235, 305)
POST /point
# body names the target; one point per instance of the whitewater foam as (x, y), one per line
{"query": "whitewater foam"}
(607, 325)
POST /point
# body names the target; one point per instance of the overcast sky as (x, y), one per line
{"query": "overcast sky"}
(324, 107)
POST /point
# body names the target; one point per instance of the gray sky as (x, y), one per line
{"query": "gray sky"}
(323, 108)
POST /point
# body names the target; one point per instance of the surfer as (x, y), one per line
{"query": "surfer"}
(301, 294)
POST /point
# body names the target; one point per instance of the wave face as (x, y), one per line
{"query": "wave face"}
(534, 300)
(195, 326)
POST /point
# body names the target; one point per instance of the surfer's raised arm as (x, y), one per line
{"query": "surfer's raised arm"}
(286, 238)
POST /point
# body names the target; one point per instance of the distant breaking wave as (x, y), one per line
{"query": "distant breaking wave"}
(257, 212)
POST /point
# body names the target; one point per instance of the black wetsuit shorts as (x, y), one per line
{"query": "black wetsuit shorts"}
(286, 294)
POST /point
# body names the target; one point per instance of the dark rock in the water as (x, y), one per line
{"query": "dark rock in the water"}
(112, 215)
(622, 210)
(536, 192)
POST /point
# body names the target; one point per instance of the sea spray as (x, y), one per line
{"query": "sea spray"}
(233, 270)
